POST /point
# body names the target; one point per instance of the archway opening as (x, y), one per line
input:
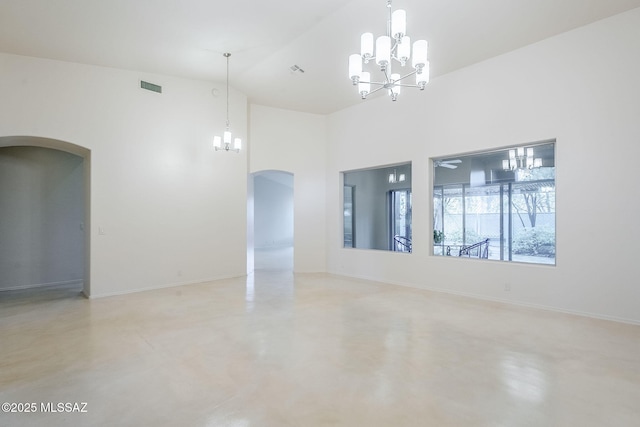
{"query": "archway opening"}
(44, 205)
(272, 233)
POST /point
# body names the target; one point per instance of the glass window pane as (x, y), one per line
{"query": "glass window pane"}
(498, 204)
(349, 208)
(376, 206)
(453, 227)
(401, 220)
(482, 220)
(534, 222)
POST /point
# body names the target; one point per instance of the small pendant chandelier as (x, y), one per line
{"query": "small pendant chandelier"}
(224, 143)
(394, 46)
(394, 178)
(521, 158)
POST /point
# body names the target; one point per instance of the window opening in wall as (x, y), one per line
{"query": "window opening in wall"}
(498, 204)
(376, 207)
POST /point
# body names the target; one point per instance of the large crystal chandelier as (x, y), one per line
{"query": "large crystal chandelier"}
(226, 136)
(395, 46)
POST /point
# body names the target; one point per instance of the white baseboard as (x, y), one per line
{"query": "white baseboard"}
(165, 286)
(42, 285)
(500, 300)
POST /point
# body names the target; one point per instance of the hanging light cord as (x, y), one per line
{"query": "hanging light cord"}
(227, 55)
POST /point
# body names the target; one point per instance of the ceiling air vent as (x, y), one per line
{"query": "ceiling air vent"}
(296, 69)
(150, 86)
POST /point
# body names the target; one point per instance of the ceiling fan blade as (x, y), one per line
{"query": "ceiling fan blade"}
(448, 166)
(452, 161)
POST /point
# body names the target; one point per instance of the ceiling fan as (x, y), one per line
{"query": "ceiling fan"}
(449, 164)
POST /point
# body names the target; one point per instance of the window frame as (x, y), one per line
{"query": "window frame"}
(543, 181)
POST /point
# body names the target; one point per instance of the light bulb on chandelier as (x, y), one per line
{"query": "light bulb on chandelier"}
(224, 143)
(394, 178)
(521, 158)
(394, 46)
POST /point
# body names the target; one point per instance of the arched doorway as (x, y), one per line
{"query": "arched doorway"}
(44, 203)
(271, 229)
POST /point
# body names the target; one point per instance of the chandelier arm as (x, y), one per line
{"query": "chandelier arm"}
(375, 83)
(386, 74)
(375, 90)
(394, 49)
(407, 75)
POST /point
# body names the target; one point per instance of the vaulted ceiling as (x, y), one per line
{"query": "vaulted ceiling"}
(187, 38)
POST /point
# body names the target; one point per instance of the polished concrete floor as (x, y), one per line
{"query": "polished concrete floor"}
(273, 258)
(278, 349)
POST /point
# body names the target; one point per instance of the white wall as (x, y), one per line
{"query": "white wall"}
(171, 209)
(41, 217)
(296, 142)
(581, 88)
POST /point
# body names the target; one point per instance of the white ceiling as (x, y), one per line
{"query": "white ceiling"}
(186, 38)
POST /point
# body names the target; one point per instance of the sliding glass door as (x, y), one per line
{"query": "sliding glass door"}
(400, 216)
(517, 218)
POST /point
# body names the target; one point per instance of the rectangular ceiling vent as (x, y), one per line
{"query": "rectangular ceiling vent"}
(294, 68)
(150, 86)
